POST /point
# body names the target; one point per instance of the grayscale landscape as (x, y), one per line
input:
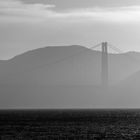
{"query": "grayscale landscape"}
(70, 69)
(69, 76)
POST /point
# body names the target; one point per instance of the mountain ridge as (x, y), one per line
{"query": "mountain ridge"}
(71, 82)
(82, 56)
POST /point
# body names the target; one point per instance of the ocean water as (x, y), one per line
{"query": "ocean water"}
(96, 124)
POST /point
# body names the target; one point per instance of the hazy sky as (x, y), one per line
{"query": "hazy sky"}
(30, 24)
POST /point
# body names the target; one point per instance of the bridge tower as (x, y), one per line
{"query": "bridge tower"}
(104, 65)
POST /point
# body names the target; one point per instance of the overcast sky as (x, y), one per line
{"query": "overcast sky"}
(30, 24)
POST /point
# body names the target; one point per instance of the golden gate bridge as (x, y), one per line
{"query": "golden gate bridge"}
(104, 46)
(104, 60)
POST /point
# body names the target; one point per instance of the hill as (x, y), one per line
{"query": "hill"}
(66, 65)
(64, 76)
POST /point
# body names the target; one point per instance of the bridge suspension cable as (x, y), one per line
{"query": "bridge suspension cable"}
(70, 56)
(95, 46)
(115, 48)
(137, 60)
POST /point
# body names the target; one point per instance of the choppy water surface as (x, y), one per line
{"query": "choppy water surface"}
(70, 124)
